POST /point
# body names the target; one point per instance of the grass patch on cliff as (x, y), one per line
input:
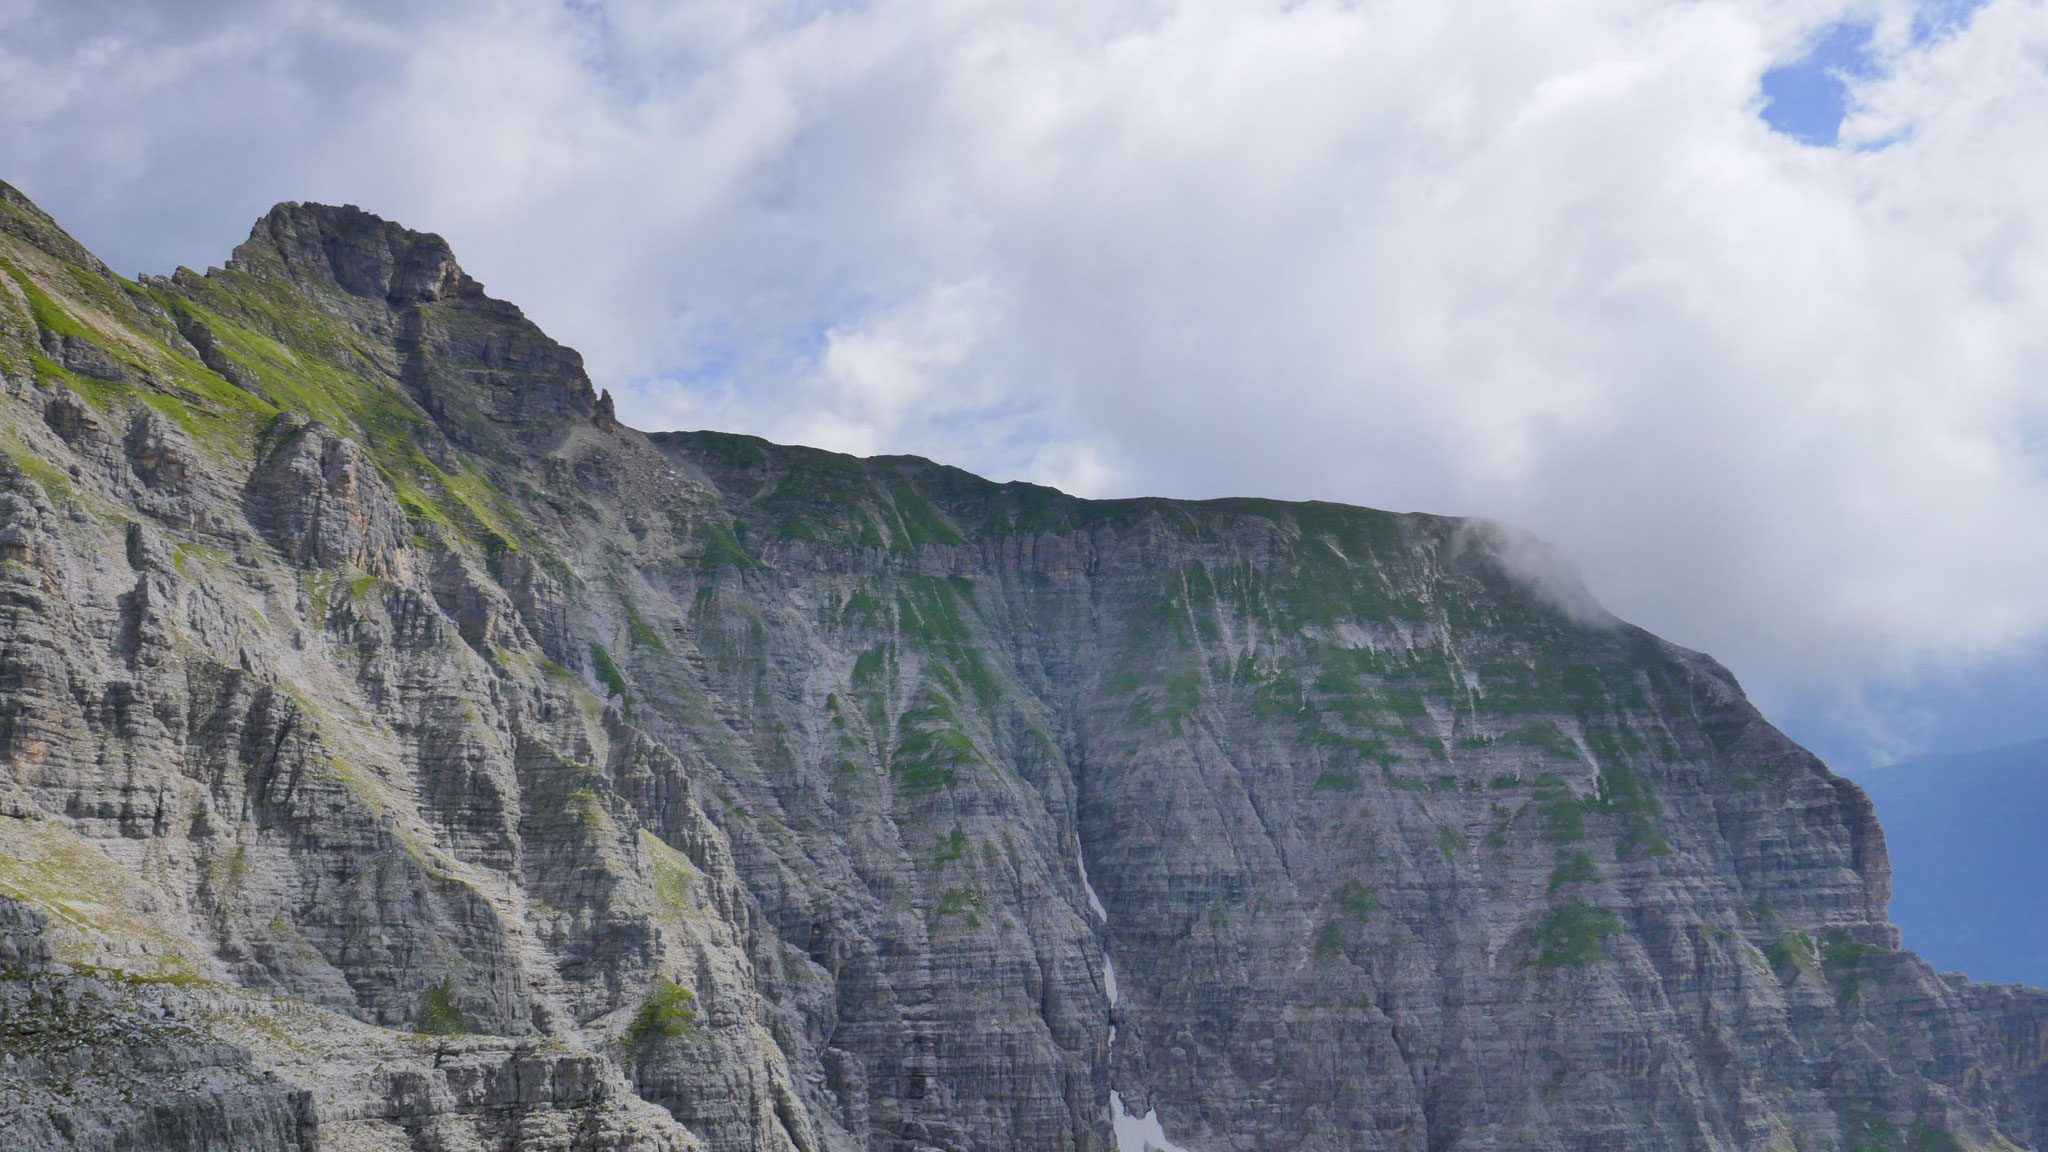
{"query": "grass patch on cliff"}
(639, 631)
(669, 1012)
(1158, 671)
(1545, 736)
(82, 892)
(1620, 791)
(1844, 957)
(289, 357)
(47, 315)
(608, 674)
(917, 521)
(184, 392)
(1839, 950)
(1329, 940)
(1356, 900)
(361, 584)
(1564, 818)
(1335, 572)
(437, 1014)
(586, 807)
(932, 744)
(672, 873)
(927, 759)
(55, 483)
(1625, 792)
(1792, 953)
(963, 902)
(869, 666)
(861, 610)
(1570, 935)
(114, 317)
(1279, 697)
(1449, 841)
(1572, 868)
(722, 547)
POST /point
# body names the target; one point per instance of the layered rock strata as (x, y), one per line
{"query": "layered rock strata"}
(402, 753)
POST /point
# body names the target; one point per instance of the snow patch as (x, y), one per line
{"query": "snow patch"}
(1094, 901)
(1133, 1133)
(1108, 965)
(1138, 1133)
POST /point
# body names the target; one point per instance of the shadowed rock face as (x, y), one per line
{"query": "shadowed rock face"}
(318, 245)
(403, 754)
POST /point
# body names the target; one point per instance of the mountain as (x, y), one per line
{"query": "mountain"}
(403, 754)
(1965, 832)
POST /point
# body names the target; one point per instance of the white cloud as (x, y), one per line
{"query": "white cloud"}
(1079, 467)
(1538, 262)
(903, 366)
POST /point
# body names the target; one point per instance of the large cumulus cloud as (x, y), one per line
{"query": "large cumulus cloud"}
(1544, 263)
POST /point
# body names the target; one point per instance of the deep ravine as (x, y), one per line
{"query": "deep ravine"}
(1133, 1133)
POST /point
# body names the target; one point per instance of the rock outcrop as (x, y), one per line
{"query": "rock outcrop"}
(318, 499)
(401, 753)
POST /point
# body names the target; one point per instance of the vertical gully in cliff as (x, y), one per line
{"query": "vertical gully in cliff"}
(1133, 1133)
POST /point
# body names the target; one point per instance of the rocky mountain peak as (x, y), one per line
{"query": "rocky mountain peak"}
(485, 373)
(361, 253)
(9, 194)
(20, 217)
(401, 753)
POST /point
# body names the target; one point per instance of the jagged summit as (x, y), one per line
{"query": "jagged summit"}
(488, 375)
(15, 197)
(9, 194)
(363, 254)
(316, 246)
(23, 218)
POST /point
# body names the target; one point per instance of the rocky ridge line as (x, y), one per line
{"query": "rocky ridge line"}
(402, 753)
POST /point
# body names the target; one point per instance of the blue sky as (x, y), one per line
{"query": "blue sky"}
(1742, 304)
(1994, 705)
(1806, 98)
(1958, 710)
(2003, 701)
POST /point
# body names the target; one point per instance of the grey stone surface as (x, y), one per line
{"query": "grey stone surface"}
(403, 754)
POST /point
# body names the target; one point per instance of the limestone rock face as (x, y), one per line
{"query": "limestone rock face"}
(319, 499)
(2014, 1023)
(401, 753)
(79, 354)
(362, 254)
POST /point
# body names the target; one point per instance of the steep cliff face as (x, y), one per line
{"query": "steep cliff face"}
(402, 753)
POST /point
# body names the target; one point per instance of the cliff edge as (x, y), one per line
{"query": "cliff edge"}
(401, 753)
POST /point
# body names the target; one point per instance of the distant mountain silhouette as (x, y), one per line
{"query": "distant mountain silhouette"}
(1969, 869)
